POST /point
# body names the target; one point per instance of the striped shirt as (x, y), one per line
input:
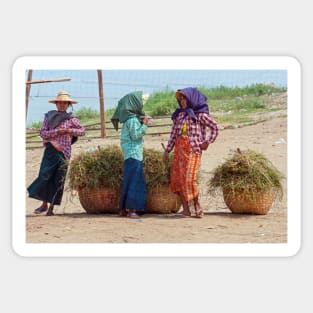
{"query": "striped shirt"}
(196, 130)
(132, 138)
(62, 141)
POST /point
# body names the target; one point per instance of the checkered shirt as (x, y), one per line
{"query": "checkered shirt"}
(196, 130)
(63, 141)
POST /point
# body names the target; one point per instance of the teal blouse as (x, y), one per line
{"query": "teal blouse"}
(132, 138)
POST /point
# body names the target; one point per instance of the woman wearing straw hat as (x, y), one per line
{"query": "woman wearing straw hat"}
(188, 135)
(129, 111)
(59, 130)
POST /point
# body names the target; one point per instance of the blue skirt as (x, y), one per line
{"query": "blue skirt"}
(49, 184)
(134, 193)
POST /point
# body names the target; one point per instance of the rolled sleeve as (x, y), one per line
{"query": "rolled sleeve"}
(46, 132)
(212, 125)
(78, 130)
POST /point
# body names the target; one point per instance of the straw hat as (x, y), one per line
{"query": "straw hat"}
(63, 96)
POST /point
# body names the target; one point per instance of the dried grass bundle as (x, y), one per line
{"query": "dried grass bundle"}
(247, 171)
(100, 168)
(156, 173)
(104, 168)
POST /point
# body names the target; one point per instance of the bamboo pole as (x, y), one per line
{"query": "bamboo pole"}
(29, 82)
(29, 78)
(102, 114)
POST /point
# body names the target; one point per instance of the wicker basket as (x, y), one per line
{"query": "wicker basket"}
(99, 200)
(239, 201)
(161, 200)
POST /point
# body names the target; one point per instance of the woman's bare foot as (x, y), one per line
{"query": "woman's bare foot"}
(198, 210)
(186, 210)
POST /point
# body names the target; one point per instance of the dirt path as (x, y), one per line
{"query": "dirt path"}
(71, 224)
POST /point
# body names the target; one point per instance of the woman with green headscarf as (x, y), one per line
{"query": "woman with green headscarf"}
(130, 113)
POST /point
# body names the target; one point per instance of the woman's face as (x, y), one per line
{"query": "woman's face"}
(62, 106)
(183, 102)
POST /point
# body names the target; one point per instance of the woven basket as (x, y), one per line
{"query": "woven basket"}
(161, 200)
(239, 201)
(99, 200)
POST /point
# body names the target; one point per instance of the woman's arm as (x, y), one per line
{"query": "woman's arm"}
(77, 129)
(172, 139)
(135, 128)
(207, 121)
(47, 133)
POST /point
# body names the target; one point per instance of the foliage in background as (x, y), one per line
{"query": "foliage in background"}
(237, 105)
(161, 103)
(255, 90)
(36, 125)
(220, 99)
(86, 114)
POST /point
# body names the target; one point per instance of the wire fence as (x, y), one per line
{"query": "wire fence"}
(161, 125)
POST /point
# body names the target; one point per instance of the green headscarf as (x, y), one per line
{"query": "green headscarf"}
(129, 105)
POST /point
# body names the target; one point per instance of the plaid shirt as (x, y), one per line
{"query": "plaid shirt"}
(132, 138)
(62, 141)
(196, 130)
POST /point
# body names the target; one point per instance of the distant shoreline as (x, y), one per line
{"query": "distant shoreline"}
(84, 88)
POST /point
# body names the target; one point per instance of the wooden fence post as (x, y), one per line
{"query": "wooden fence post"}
(29, 78)
(102, 112)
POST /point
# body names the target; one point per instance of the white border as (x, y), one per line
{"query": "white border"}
(156, 250)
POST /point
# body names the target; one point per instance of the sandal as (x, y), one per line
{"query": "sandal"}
(199, 213)
(40, 210)
(132, 215)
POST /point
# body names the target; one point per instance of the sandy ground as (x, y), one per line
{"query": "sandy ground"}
(71, 224)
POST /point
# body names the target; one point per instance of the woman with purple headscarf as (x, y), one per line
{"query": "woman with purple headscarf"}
(188, 138)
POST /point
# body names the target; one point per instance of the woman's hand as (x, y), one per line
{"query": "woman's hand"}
(145, 120)
(204, 145)
(63, 131)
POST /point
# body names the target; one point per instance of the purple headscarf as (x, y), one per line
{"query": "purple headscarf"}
(196, 103)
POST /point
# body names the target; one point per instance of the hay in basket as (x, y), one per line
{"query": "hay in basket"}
(249, 181)
(160, 199)
(97, 177)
